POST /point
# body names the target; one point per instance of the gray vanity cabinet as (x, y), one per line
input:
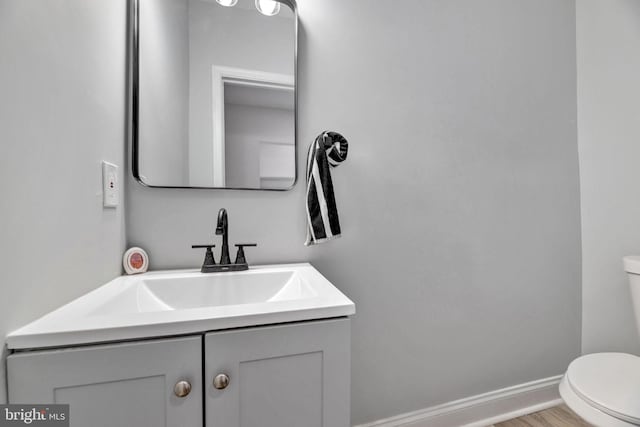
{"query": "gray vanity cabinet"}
(116, 385)
(292, 375)
(288, 375)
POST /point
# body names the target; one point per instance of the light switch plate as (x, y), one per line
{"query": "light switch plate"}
(110, 187)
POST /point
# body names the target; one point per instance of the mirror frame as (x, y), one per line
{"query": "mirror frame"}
(134, 88)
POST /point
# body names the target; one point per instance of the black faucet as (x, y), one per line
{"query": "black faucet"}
(209, 265)
(223, 229)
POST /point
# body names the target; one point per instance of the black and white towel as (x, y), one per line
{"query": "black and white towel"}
(327, 151)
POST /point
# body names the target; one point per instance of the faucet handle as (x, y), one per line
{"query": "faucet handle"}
(208, 257)
(240, 259)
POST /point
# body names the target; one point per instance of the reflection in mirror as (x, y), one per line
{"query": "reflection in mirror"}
(215, 90)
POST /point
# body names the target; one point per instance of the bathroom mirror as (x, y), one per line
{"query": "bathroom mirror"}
(214, 93)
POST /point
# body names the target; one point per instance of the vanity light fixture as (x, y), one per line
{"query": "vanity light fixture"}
(268, 7)
(227, 3)
(265, 7)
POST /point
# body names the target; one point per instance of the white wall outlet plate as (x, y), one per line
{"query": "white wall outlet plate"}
(110, 187)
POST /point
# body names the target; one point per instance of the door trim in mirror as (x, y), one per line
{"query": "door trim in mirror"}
(244, 77)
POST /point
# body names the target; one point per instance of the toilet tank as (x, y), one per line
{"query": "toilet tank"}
(632, 267)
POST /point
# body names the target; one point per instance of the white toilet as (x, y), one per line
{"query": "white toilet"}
(604, 388)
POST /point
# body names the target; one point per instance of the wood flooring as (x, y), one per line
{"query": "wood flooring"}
(558, 416)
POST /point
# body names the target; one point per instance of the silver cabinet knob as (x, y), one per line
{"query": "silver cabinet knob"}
(182, 388)
(221, 381)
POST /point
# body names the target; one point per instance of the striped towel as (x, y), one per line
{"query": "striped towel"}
(327, 151)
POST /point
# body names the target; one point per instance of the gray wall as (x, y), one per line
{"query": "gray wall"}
(608, 37)
(62, 99)
(459, 201)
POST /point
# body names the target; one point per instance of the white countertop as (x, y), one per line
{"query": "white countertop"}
(179, 302)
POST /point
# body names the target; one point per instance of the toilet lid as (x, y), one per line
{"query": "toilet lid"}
(609, 382)
(632, 264)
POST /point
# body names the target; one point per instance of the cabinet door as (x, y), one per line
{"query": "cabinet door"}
(119, 385)
(294, 375)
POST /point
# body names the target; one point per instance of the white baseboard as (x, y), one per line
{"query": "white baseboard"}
(484, 409)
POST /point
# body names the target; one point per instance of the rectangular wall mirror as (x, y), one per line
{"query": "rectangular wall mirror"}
(214, 93)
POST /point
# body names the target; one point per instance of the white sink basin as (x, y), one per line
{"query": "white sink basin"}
(181, 302)
(182, 291)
